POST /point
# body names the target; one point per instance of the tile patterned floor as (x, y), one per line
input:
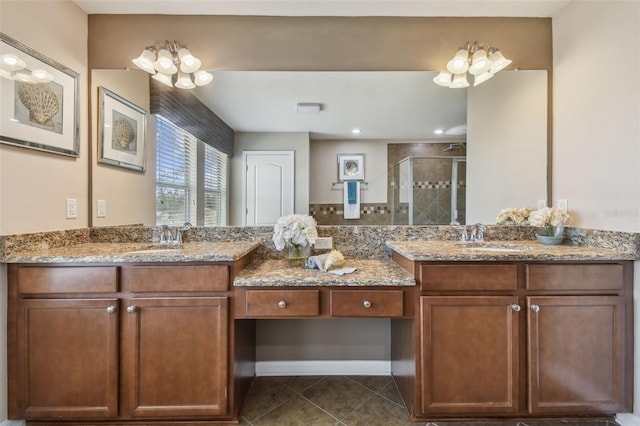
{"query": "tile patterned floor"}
(340, 401)
(324, 400)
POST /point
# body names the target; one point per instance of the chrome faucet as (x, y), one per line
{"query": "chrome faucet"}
(166, 235)
(477, 233)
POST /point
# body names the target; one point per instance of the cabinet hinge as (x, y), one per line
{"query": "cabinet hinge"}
(225, 393)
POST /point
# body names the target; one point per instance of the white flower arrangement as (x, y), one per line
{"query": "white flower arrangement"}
(514, 216)
(294, 230)
(549, 218)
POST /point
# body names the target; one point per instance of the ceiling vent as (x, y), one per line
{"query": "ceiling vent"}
(308, 108)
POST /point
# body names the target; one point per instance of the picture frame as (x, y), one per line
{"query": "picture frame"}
(39, 100)
(122, 131)
(350, 167)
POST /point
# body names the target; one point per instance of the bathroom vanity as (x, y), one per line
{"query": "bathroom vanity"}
(515, 331)
(132, 334)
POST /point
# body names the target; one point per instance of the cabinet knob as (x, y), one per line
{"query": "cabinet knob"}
(132, 309)
(515, 307)
(282, 304)
(535, 308)
(112, 309)
(366, 304)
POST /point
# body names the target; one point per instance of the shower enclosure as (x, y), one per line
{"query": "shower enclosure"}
(428, 190)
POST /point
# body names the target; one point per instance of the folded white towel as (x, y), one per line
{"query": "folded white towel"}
(317, 261)
(342, 271)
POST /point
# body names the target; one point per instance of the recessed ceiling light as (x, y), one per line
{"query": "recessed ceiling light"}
(356, 131)
(438, 131)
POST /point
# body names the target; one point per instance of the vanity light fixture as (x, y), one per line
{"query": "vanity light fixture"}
(479, 59)
(172, 64)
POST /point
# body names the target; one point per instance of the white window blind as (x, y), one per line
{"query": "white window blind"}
(215, 187)
(178, 197)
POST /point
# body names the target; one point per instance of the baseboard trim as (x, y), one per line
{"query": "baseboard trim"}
(323, 368)
(12, 423)
(628, 419)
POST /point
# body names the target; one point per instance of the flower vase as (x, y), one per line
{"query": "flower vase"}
(552, 235)
(297, 255)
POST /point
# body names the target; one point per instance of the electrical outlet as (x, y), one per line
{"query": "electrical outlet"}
(102, 208)
(563, 205)
(72, 208)
(323, 243)
(542, 204)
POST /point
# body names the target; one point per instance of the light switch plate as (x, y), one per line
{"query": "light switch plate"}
(102, 208)
(542, 204)
(72, 208)
(563, 204)
(324, 243)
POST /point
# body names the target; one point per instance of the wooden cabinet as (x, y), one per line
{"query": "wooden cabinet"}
(469, 348)
(67, 358)
(523, 339)
(576, 354)
(133, 342)
(174, 357)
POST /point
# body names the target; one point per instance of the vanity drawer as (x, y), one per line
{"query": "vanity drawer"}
(606, 276)
(497, 277)
(282, 303)
(356, 303)
(67, 279)
(146, 279)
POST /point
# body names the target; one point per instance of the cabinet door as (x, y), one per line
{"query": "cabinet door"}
(68, 358)
(576, 359)
(469, 360)
(175, 357)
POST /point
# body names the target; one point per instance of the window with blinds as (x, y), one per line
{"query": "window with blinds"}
(184, 191)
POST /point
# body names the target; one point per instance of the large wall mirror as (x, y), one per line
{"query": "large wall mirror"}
(505, 138)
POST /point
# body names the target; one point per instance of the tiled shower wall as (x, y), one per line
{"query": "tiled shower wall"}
(432, 192)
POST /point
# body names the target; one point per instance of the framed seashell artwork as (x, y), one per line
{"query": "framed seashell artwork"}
(121, 131)
(39, 100)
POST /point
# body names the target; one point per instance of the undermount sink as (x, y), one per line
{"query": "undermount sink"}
(168, 250)
(495, 247)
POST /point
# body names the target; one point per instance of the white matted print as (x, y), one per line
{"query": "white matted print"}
(122, 131)
(350, 167)
(39, 100)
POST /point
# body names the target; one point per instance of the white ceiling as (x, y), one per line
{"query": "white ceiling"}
(514, 8)
(385, 105)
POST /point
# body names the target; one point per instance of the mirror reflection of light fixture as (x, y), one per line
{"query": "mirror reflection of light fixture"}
(173, 64)
(478, 58)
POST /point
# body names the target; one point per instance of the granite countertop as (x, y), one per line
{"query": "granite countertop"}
(501, 251)
(137, 252)
(278, 273)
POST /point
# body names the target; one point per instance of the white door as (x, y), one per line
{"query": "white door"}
(268, 186)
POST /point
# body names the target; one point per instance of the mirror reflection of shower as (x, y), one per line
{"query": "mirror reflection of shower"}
(429, 190)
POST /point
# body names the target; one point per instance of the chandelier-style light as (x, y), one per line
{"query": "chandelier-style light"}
(173, 65)
(478, 59)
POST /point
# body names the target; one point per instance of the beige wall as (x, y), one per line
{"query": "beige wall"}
(129, 195)
(596, 148)
(249, 141)
(324, 169)
(34, 185)
(318, 43)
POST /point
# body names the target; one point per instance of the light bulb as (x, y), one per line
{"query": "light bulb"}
(202, 78)
(164, 64)
(443, 79)
(11, 62)
(459, 63)
(184, 81)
